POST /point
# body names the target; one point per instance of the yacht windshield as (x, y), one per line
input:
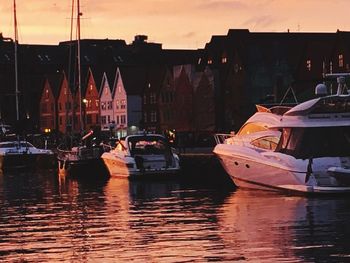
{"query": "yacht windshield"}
(147, 145)
(303, 143)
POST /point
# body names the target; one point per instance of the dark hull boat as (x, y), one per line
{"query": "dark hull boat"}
(81, 161)
(23, 155)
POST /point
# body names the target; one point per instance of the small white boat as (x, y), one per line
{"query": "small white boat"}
(305, 148)
(141, 156)
(22, 154)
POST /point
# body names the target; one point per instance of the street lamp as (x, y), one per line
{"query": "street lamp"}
(85, 101)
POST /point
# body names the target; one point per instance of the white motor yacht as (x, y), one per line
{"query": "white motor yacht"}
(22, 154)
(305, 148)
(141, 155)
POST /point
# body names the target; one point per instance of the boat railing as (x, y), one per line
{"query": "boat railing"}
(220, 138)
(81, 153)
(224, 138)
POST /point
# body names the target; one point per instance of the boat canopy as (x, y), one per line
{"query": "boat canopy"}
(329, 104)
(148, 144)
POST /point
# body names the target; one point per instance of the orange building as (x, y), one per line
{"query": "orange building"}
(91, 102)
(65, 107)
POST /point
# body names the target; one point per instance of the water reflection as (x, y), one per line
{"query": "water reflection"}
(262, 226)
(47, 218)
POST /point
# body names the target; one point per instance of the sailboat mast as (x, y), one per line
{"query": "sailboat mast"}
(79, 65)
(69, 75)
(16, 63)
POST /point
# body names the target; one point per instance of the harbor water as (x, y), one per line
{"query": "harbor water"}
(51, 218)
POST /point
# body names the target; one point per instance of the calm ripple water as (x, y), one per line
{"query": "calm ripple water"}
(47, 218)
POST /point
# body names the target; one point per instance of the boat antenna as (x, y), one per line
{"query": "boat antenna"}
(79, 65)
(16, 63)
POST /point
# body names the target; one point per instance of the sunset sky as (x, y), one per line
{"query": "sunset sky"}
(176, 24)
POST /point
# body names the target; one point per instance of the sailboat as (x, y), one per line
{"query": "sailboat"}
(83, 159)
(17, 153)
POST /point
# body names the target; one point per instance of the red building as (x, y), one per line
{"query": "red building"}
(48, 107)
(183, 99)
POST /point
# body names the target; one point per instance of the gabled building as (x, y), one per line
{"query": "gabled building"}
(166, 102)
(120, 104)
(48, 103)
(106, 104)
(67, 121)
(203, 101)
(91, 100)
(183, 98)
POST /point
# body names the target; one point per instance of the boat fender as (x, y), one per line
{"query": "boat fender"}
(308, 170)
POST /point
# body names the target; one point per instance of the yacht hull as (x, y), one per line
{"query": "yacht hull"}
(262, 175)
(118, 167)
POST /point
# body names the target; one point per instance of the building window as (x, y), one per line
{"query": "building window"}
(117, 120)
(119, 89)
(103, 105)
(224, 60)
(152, 98)
(308, 65)
(69, 120)
(210, 61)
(103, 119)
(117, 104)
(68, 105)
(145, 116)
(341, 60)
(43, 108)
(122, 119)
(88, 119)
(122, 104)
(109, 105)
(153, 116)
(144, 99)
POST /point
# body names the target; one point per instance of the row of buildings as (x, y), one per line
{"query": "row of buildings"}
(143, 86)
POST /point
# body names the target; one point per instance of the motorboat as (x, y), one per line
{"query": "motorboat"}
(305, 148)
(22, 154)
(141, 155)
